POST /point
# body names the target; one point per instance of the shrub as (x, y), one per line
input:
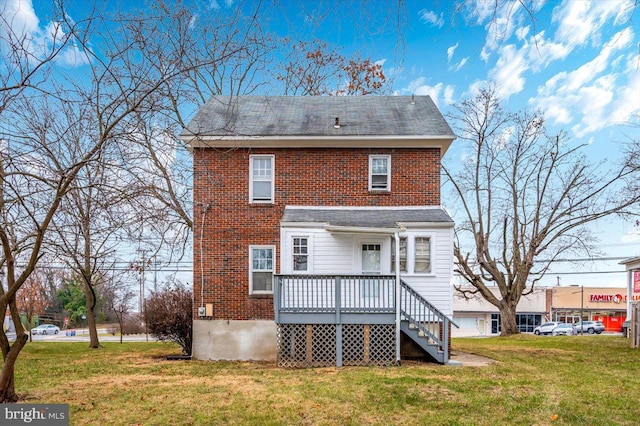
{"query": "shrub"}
(132, 324)
(168, 316)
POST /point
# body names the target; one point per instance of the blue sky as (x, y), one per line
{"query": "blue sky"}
(576, 60)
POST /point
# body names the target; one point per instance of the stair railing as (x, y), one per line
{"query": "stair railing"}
(426, 318)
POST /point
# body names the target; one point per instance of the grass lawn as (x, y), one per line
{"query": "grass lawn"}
(577, 380)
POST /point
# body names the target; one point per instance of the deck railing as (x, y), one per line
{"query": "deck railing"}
(426, 318)
(331, 293)
(360, 299)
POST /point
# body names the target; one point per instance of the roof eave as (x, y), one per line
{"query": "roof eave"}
(350, 141)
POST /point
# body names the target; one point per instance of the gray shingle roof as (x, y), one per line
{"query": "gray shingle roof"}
(370, 218)
(270, 116)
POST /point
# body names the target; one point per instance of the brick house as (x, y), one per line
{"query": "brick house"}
(318, 233)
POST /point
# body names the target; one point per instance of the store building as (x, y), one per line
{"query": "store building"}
(477, 317)
(605, 304)
(632, 267)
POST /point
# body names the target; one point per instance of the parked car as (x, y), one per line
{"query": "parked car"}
(546, 328)
(46, 329)
(589, 327)
(565, 329)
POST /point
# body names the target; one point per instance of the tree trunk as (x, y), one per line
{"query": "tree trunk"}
(93, 331)
(120, 321)
(91, 317)
(7, 377)
(508, 322)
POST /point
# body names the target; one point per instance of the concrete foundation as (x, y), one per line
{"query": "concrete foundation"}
(234, 340)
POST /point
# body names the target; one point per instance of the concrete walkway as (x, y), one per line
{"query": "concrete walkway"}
(462, 359)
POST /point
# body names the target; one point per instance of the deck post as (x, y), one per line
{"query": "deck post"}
(396, 236)
(338, 324)
(276, 299)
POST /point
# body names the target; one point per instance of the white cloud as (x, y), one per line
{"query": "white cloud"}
(597, 93)
(522, 32)
(580, 22)
(508, 72)
(448, 95)
(450, 51)
(460, 64)
(20, 26)
(419, 87)
(631, 237)
(19, 22)
(432, 18)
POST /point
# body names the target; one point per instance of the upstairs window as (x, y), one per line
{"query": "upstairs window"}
(379, 173)
(422, 255)
(261, 178)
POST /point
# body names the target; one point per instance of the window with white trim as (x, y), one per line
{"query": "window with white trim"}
(261, 187)
(422, 255)
(379, 173)
(403, 254)
(261, 269)
(300, 254)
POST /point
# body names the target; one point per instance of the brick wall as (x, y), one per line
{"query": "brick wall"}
(303, 177)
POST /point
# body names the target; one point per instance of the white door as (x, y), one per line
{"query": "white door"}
(481, 325)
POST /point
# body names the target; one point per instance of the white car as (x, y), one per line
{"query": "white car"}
(546, 328)
(46, 329)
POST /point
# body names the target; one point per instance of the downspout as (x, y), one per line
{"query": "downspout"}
(396, 237)
(204, 213)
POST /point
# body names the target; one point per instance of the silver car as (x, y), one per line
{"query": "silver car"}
(564, 329)
(46, 329)
(589, 327)
(546, 328)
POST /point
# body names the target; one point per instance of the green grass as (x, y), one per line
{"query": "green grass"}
(578, 380)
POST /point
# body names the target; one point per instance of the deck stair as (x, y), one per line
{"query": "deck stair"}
(423, 323)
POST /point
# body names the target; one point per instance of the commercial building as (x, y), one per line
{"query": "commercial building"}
(605, 304)
(477, 317)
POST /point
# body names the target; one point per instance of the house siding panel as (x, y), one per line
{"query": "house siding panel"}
(309, 177)
(436, 287)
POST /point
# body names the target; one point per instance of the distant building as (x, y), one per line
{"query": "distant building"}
(606, 304)
(477, 317)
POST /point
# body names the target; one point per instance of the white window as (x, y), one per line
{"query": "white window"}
(403, 254)
(261, 269)
(370, 259)
(422, 258)
(379, 173)
(370, 266)
(261, 178)
(300, 254)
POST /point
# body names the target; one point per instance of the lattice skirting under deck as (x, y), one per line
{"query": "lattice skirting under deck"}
(318, 345)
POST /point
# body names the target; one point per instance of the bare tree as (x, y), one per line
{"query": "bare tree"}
(312, 68)
(37, 171)
(85, 241)
(525, 194)
(119, 296)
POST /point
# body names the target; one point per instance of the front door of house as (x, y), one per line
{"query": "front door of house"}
(371, 259)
